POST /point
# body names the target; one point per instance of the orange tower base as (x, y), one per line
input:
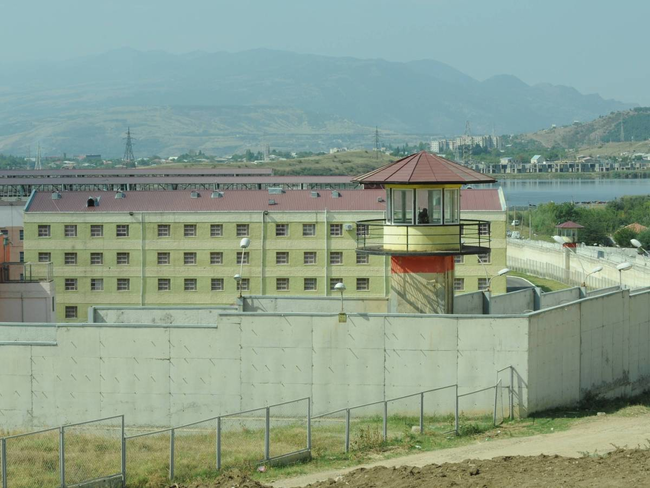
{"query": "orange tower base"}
(422, 284)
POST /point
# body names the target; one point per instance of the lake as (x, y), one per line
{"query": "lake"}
(524, 192)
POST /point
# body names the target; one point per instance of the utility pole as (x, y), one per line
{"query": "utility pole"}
(622, 130)
(37, 164)
(128, 150)
(376, 142)
(466, 141)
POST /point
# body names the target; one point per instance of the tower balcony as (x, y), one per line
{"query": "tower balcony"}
(466, 237)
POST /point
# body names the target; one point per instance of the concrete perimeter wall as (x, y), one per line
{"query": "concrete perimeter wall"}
(516, 302)
(162, 375)
(314, 304)
(157, 315)
(27, 302)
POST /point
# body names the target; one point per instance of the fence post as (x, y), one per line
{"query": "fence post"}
(62, 456)
(309, 424)
(496, 397)
(218, 443)
(267, 435)
(171, 454)
(123, 460)
(385, 421)
(347, 430)
(456, 426)
(512, 393)
(421, 413)
(3, 466)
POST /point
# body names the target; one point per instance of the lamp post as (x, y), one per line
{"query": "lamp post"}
(639, 246)
(340, 287)
(597, 269)
(502, 272)
(243, 244)
(622, 267)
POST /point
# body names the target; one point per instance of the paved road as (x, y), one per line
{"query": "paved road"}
(596, 434)
(514, 283)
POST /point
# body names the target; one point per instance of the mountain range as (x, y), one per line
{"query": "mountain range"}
(224, 102)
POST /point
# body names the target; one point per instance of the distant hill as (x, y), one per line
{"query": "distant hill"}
(222, 102)
(605, 130)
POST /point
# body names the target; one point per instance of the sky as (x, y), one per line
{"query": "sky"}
(595, 46)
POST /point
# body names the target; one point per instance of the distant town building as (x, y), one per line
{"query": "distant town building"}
(486, 142)
(537, 159)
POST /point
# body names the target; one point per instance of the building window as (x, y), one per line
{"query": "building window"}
(70, 312)
(310, 284)
(216, 257)
(282, 284)
(459, 284)
(362, 230)
(309, 257)
(245, 256)
(242, 230)
(363, 284)
(189, 258)
(336, 257)
(483, 283)
(308, 230)
(164, 258)
(164, 230)
(96, 258)
(484, 229)
(44, 257)
(281, 230)
(281, 258)
(70, 258)
(216, 230)
(244, 284)
(189, 284)
(21, 257)
(123, 258)
(21, 235)
(70, 284)
(336, 230)
(216, 284)
(96, 231)
(164, 284)
(70, 230)
(189, 230)
(459, 259)
(123, 284)
(363, 259)
(96, 284)
(484, 258)
(122, 230)
(334, 281)
(43, 231)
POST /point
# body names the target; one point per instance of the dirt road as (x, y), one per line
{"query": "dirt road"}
(600, 434)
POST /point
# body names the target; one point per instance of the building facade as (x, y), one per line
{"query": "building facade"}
(182, 247)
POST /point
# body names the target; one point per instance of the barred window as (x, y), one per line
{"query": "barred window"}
(484, 258)
(216, 284)
(216, 230)
(44, 231)
(44, 257)
(282, 284)
(483, 283)
(459, 259)
(310, 257)
(123, 258)
(164, 284)
(242, 230)
(70, 258)
(70, 312)
(123, 284)
(484, 229)
(96, 284)
(281, 230)
(362, 230)
(308, 230)
(189, 258)
(244, 284)
(459, 284)
(311, 284)
(189, 230)
(363, 284)
(281, 258)
(245, 257)
(190, 284)
(70, 230)
(336, 257)
(70, 284)
(164, 230)
(334, 281)
(96, 258)
(363, 259)
(164, 258)
(122, 230)
(96, 230)
(216, 257)
(336, 230)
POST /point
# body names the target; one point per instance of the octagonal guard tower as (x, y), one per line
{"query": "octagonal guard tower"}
(423, 230)
(569, 232)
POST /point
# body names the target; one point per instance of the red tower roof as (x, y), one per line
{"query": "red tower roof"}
(423, 168)
(569, 225)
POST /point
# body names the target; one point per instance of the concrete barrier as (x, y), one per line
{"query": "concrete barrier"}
(470, 303)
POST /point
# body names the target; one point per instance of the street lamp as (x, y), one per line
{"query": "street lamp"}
(597, 269)
(622, 267)
(502, 272)
(562, 239)
(340, 287)
(639, 246)
(243, 244)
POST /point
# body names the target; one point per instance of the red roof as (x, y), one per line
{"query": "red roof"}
(569, 225)
(422, 168)
(239, 200)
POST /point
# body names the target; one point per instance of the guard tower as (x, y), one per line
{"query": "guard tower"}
(423, 230)
(569, 233)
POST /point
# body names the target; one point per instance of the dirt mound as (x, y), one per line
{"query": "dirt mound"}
(621, 468)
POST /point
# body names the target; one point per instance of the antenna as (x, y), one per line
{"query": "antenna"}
(128, 150)
(376, 142)
(467, 141)
(37, 164)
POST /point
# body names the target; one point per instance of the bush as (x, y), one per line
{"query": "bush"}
(623, 236)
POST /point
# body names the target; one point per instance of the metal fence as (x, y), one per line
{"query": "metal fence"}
(62, 456)
(558, 273)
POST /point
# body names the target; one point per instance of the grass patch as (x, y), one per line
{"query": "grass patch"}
(544, 283)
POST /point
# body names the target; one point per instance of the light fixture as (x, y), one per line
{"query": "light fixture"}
(501, 272)
(636, 243)
(622, 267)
(597, 269)
(562, 239)
(340, 287)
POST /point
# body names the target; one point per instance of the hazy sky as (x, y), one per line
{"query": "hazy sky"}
(594, 45)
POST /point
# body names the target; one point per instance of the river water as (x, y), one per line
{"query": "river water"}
(524, 192)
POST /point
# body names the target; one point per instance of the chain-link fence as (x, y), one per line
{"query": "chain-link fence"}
(64, 456)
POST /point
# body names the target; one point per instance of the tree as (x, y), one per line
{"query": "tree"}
(623, 236)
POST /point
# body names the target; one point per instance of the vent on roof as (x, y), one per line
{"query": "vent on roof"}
(276, 191)
(272, 202)
(195, 194)
(336, 194)
(92, 202)
(120, 194)
(380, 199)
(217, 194)
(314, 194)
(56, 196)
